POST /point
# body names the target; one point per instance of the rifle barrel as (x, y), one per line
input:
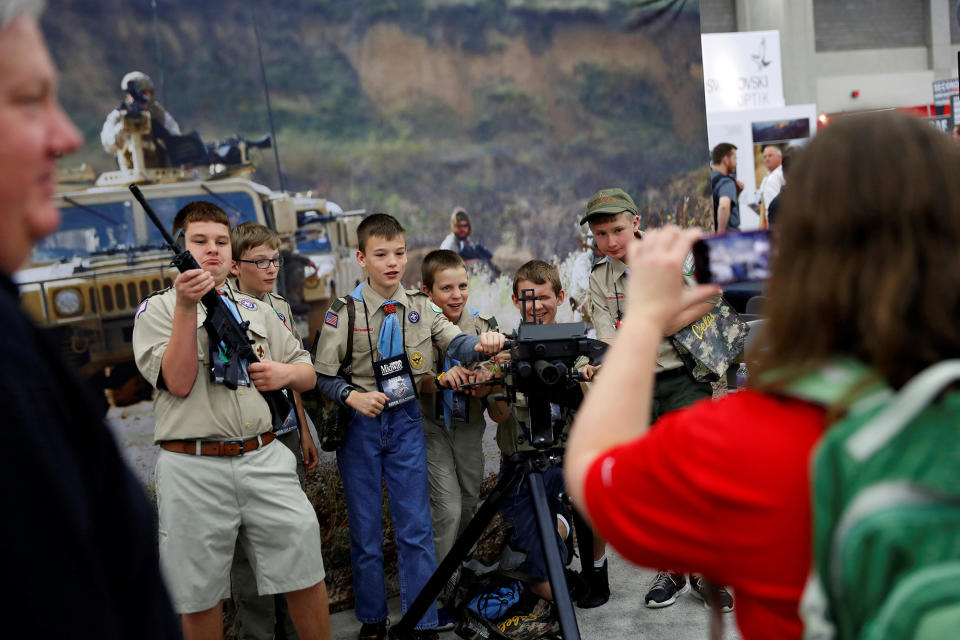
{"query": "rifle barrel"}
(135, 190)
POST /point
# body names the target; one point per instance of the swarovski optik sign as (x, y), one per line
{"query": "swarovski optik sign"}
(742, 70)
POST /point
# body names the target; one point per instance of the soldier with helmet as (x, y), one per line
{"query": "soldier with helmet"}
(138, 88)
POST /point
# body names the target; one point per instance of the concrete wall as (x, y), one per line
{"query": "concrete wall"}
(888, 50)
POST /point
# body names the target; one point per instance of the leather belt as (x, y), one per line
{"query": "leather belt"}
(218, 447)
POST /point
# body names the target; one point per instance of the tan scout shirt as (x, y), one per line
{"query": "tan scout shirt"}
(474, 326)
(421, 321)
(210, 410)
(608, 290)
(279, 305)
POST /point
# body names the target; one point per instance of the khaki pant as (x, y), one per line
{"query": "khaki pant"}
(455, 468)
(262, 617)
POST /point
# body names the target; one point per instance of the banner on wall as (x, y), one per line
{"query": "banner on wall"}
(742, 70)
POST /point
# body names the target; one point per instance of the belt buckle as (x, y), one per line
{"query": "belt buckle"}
(239, 442)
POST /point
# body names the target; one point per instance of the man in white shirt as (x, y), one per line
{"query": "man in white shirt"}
(773, 182)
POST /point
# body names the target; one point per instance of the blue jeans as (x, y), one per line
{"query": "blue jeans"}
(517, 509)
(390, 447)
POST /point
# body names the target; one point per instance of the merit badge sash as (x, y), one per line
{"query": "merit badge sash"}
(395, 380)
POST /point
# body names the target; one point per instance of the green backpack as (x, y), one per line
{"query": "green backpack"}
(886, 507)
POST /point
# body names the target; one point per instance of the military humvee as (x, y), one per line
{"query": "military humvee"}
(85, 281)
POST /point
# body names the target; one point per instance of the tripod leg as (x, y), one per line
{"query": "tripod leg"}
(558, 582)
(461, 548)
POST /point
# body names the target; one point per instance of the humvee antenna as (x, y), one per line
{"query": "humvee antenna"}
(266, 93)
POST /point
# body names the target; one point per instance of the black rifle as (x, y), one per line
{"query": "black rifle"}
(221, 325)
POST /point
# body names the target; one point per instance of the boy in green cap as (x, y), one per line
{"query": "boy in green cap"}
(615, 223)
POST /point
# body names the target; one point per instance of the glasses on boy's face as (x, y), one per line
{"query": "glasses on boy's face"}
(265, 263)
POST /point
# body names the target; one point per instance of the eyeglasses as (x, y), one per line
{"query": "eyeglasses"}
(266, 262)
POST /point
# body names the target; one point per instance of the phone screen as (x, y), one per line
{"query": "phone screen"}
(732, 257)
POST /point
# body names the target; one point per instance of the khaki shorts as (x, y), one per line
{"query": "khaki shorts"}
(207, 503)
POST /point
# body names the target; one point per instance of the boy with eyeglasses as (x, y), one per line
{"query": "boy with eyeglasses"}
(256, 264)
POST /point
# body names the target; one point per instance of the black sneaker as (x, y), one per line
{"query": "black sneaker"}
(373, 630)
(700, 589)
(666, 587)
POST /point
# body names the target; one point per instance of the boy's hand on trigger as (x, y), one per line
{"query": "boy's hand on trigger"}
(190, 286)
(455, 376)
(491, 343)
(368, 403)
(589, 371)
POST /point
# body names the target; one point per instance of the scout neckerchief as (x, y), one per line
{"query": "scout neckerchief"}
(218, 352)
(392, 371)
(455, 403)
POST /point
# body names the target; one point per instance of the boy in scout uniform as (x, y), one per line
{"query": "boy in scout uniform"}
(615, 223)
(220, 475)
(394, 334)
(256, 263)
(544, 279)
(453, 420)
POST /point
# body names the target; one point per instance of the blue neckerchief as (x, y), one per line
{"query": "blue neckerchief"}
(390, 342)
(448, 363)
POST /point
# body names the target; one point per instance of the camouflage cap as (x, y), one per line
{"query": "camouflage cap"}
(609, 201)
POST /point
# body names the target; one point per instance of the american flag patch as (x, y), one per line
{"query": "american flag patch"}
(332, 319)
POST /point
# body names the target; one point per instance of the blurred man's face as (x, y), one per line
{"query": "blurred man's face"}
(771, 159)
(463, 229)
(34, 132)
(730, 162)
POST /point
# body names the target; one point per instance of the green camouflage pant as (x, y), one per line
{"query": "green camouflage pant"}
(262, 617)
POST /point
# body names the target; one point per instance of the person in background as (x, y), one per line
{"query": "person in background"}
(772, 182)
(78, 545)
(459, 239)
(863, 269)
(726, 188)
(136, 86)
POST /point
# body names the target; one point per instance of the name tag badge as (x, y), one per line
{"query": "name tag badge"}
(395, 380)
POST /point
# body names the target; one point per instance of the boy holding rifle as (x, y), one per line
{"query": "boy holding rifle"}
(220, 474)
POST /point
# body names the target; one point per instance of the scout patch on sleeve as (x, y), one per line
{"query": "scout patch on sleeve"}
(142, 307)
(413, 317)
(331, 319)
(248, 304)
(436, 308)
(416, 360)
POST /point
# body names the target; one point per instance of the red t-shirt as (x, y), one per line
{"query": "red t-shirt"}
(720, 488)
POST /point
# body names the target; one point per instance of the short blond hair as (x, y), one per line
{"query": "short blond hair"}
(248, 235)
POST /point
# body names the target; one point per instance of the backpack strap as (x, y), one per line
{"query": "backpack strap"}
(913, 398)
(345, 371)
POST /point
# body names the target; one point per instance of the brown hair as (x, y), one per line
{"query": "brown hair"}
(378, 224)
(438, 260)
(866, 252)
(199, 211)
(248, 235)
(538, 272)
(721, 151)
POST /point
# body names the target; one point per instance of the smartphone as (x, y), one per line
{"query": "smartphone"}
(732, 257)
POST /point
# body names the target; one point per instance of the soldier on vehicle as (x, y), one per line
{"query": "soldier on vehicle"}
(138, 99)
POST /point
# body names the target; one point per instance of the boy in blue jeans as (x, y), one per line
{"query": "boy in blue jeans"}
(393, 338)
